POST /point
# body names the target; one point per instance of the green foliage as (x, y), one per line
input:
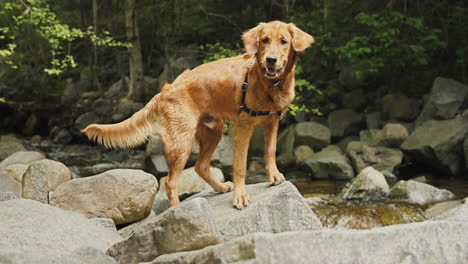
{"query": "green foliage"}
(36, 16)
(390, 39)
(217, 51)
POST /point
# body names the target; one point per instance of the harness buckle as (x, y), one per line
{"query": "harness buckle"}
(244, 86)
(253, 113)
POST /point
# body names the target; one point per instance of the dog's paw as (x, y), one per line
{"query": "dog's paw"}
(241, 199)
(276, 178)
(226, 187)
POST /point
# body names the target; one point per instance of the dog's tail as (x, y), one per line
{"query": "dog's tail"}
(130, 132)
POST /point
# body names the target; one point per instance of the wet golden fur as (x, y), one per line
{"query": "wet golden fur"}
(195, 105)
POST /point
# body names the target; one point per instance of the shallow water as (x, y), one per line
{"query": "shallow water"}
(317, 188)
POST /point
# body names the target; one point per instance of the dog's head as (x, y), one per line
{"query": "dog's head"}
(272, 43)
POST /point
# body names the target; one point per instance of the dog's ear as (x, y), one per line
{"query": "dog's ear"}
(300, 39)
(250, 38)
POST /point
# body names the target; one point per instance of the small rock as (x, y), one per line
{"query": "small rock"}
(223, 155)
(302, 153)
(86, 119)
(389, 177)
(35, 184)
(157, 164)
(312, 134)
(22, 157)
(126, 109)
(11, 178)
(330, 165)
(56, 172)
(355, 99)
(373, 120)
(420, 179)
(63, 137)
(380, 158)
(369, 185)
(36, 140)
(344, 122)
(188, 226)
(124, 195)
(419, 193)
(393, 135)
(31, 125)
(285, 161)
(400, 107)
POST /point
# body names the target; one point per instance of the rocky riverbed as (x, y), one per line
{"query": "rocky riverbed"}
(382, 185)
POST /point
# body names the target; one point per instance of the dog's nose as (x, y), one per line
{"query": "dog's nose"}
(271, 59)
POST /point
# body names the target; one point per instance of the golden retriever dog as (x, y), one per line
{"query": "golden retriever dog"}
(250, 90)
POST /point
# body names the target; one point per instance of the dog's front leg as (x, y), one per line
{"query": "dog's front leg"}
(242, 135)
(271, 132)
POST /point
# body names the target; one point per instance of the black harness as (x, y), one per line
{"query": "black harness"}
(251, 112)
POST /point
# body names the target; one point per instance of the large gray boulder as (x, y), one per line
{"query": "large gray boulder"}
(445, 99)
(419, 193)
(369, 185)
(312, 134)
(83, 255)
(124, 195)
(380, 158)
(10, 144)
(22, 157)
(38, 230)
(344, 122)
(185, 227)
(272, 209)
(189, 182)
(330, 165)
(438, 144)
(426, 242)
(397, 106)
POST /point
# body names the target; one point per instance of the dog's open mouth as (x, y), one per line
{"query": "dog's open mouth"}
(272, 72)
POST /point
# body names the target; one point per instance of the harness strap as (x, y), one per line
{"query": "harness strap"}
(251, 112)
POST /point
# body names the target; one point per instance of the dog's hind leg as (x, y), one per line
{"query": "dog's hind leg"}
(209, 132)
(178, 128)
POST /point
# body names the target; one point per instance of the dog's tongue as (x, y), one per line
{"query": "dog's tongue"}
(271, 70)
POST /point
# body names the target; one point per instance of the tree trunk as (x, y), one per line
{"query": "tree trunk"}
(135, 85)
(96, 82)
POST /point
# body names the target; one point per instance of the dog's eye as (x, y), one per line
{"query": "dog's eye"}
(265, 40)
(283, 42)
